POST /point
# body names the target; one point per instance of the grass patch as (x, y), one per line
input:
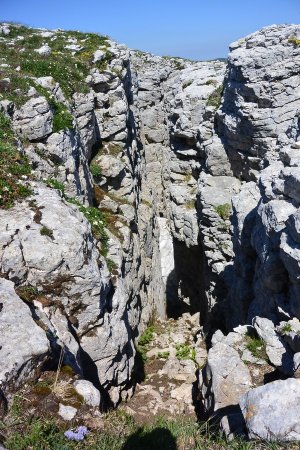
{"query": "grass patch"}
(13, 167)
(52, 182)
(111, 264)
(120, 432)
(69, 70)
(163, 355)
(62, 119)
(223, 210)
(27, 293)
(215, 97)
(256, 346)
(97, 221)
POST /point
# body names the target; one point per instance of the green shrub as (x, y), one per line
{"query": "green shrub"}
(223, 210)
(215, 97)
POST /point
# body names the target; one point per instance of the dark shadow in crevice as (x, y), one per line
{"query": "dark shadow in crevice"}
(185, 289)
(90, 372)
(274, 376)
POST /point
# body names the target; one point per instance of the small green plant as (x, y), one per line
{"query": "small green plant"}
(294, 40)
(62, 118)
(27, 293)
(286, 328)
(45, 231)
(163, 355)
(52, 182)
(111, 265)
(215, 97)
(147, 336)
(223, 210)
(183, 351)
(95, 170)
(211, 82)
(256, 346)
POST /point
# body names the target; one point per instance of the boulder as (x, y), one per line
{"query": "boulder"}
(24, 345)
(87, 390)
(271, 412)
(223, 381)
(34, 119)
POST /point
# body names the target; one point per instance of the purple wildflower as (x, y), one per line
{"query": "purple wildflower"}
(77, 434)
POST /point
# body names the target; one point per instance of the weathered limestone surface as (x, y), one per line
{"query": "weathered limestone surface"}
(196, 165)
(263, 408)
(24, 345)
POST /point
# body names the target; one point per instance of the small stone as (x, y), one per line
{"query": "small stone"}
(88, 391)
(67, 412)
(45, 50)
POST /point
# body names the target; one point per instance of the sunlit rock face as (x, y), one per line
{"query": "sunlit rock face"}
(192, 169)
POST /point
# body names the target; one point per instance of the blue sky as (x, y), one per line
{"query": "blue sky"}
(197, 29)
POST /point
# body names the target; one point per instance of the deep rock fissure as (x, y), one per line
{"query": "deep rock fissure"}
(196, 166)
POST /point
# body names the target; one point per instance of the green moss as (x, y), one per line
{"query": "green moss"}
(45, 231)
(42, 389)
(215, 97)
(223, 210)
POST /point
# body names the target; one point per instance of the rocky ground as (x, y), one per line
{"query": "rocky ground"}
(171, 353)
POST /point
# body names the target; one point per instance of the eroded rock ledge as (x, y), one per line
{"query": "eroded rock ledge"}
(153, 187)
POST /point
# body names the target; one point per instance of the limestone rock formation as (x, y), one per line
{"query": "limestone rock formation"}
(24, 345)
(135, 186)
